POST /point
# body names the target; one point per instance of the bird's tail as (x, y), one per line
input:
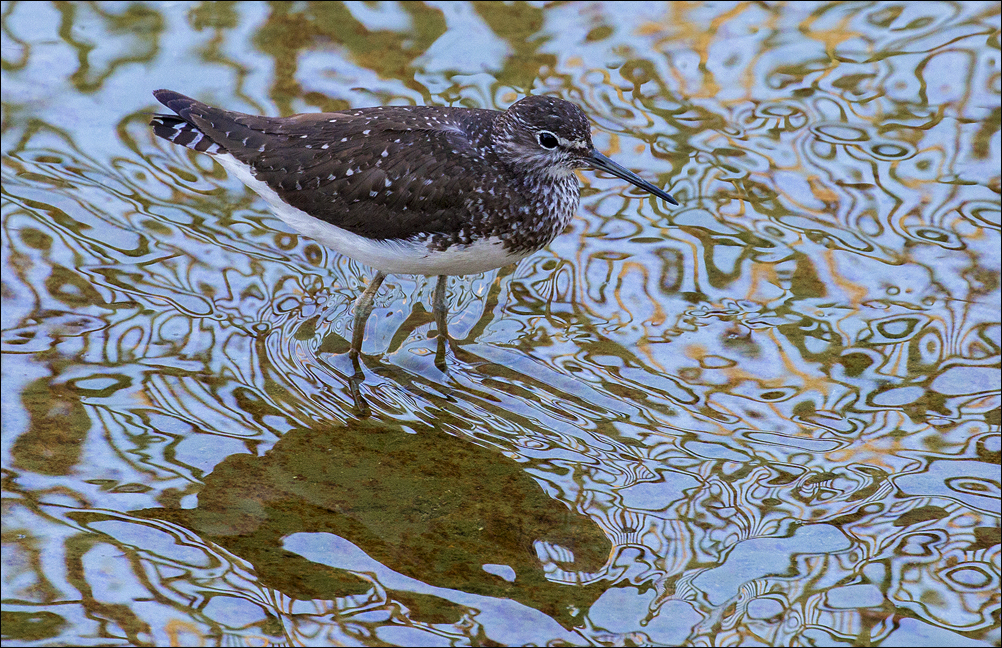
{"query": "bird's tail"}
(175, 129)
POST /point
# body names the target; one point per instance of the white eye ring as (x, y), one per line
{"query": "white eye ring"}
(547, 139)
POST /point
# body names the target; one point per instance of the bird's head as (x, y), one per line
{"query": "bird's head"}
(553, 137)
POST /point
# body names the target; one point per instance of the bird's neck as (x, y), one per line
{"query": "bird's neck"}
(551, 203)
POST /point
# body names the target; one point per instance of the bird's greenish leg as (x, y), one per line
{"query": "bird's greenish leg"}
(441, 320)
(439, 306)
(363, 306)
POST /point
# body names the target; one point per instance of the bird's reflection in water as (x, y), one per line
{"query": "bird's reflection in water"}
(423, 503)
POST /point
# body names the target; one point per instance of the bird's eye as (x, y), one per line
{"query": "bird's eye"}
(547, 139)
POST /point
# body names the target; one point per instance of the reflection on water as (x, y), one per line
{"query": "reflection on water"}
(769, 415)
(377, 489)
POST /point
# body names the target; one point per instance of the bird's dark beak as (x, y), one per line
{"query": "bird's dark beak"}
(602, 163)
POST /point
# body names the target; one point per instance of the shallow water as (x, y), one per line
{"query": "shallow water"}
(768, 416)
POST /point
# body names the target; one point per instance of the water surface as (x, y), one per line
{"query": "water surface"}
(767, 416)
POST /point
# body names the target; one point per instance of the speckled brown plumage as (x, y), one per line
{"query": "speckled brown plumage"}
(402, 172)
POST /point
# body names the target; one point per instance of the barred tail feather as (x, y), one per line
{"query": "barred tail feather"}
(174, 129)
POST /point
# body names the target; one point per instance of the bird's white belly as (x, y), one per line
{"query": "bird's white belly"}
(390, 256)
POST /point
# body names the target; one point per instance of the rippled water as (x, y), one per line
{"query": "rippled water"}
(768, 416)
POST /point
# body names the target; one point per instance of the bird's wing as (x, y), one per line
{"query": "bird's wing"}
(381, 172)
